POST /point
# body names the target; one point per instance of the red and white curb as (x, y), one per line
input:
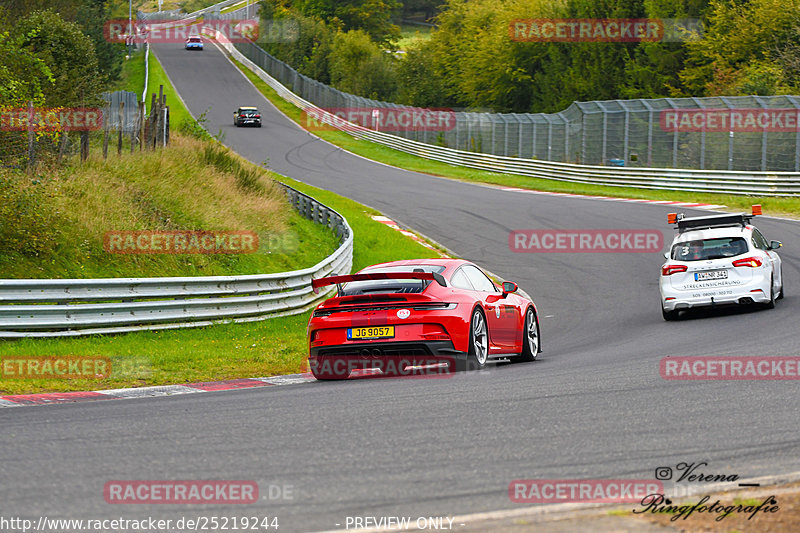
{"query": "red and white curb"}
(392, 224)
(49, 398)
(616, 199)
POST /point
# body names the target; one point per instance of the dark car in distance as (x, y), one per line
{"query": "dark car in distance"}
(247, 116)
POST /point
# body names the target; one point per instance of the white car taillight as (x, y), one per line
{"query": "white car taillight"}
(751, 262)
(668, 270)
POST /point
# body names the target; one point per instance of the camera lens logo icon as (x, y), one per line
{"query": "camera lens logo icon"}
(663, 473)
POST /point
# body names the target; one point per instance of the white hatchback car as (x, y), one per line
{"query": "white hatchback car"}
(719, 260)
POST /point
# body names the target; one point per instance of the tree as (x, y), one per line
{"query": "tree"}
(23, 78)
(309, 51)
(741, 49)
(419, 83)
(23, 75)
(428, 8)
(67, 52)
(89, 15)
(372, 16)
(359, 66)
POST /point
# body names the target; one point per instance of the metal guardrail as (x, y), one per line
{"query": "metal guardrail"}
(716, 181)
(73, 307)
(216, 8)
(177, 14)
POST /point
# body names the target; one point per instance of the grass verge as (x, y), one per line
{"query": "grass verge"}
(771, 205)
(190, 185)
(132, 74)
(226, 351)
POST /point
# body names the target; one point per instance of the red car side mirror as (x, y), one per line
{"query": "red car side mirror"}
(509, 287)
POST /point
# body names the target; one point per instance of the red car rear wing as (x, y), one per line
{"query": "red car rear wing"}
(335, 280)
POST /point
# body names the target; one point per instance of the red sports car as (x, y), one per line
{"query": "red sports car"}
(419, 312)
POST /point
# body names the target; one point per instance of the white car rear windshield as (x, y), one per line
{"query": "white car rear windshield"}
(705, 249)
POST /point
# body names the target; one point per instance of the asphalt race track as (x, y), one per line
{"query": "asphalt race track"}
(593, 406)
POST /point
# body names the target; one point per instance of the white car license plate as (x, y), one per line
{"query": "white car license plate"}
(711, 274)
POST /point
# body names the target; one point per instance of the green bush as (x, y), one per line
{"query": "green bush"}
(26, 216)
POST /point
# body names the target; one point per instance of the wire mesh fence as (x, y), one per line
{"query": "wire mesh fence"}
(121, 111)
(745, 133)
(33, 136)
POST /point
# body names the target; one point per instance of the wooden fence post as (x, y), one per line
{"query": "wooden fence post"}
(119, 126)
(141, 125)
(63, 147)
(133, 131)
(84, 145)
(105, 134)
(153, 123)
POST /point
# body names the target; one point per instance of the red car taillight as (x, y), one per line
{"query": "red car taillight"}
(668, 270)
(751, 262)
(258, 116)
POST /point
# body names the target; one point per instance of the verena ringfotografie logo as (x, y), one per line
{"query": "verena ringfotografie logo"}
(180, 492)
(180, 242)
(55, 367)
(694, 473)
(380, 119)
(659, 504)
(585, 241)
(51, 119)
(177, 31)
(730, 120)
(620, 30)
(582, 490)
(730, 368)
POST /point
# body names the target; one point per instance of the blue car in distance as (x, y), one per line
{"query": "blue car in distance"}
(194, 43)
